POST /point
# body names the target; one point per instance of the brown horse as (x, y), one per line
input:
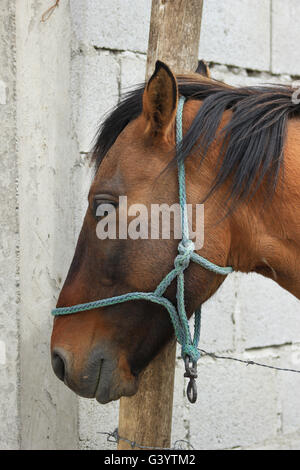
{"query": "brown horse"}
(241, 149)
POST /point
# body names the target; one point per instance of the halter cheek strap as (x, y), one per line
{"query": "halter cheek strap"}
(186, 254)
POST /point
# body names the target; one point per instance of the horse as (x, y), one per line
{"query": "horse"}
(241, 150)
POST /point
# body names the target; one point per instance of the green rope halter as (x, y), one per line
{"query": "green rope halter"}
(186, 253)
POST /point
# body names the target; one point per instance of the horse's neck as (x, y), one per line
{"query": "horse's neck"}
(266, 237)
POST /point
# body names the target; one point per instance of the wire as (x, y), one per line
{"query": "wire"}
(115, 438)
(248, 363)
(182, 444)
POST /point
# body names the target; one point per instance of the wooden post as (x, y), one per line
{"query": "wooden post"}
(146, 418)
(174, 34)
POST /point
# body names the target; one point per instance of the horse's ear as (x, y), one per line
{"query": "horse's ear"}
(203, 69)
(160, 101)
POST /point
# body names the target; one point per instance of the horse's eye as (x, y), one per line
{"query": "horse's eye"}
(103, 207)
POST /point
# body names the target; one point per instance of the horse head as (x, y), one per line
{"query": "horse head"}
(101, 352)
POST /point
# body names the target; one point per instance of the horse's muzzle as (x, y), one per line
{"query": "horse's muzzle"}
(99, 377)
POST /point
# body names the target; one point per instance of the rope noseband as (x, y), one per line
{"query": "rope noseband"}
(186, 254)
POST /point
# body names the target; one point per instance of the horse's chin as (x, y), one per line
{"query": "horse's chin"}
(112, 386)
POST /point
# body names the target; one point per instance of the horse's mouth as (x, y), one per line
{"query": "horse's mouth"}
(100, 377)
(111, 386)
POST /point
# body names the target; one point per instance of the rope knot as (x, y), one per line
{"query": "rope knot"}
(191, 351)
(185, 249)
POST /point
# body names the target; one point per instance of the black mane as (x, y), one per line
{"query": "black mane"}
(253, 139)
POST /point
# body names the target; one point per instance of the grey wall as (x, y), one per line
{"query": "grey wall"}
(70, 71)
(46, 157)
(9, 289)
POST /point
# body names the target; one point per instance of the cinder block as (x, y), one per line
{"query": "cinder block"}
(237, 406)
(112, 24)
(236, 32)
(269, 314)
(240, 77)
(279, 444)
(95, 419)
(133, 69)
(217, 325)
(289, 386)
(225, 38)
(285, 36)
(95, 90)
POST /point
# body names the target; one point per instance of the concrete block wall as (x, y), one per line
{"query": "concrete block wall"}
(70, 71)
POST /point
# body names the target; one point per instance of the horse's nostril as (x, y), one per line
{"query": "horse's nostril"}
(59, 364)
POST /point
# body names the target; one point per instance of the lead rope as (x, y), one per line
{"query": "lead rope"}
(189, 346)
(190, 351)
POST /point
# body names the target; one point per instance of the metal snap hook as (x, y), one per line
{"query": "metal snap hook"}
(191, 391)
(191, 373)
